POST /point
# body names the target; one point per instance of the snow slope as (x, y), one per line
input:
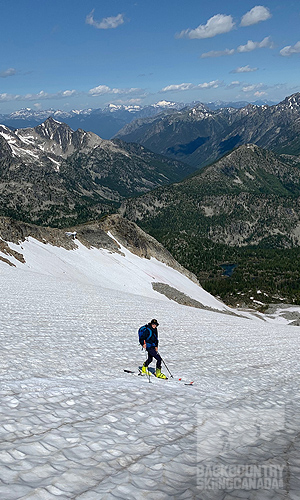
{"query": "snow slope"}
(124, 271)
(73, 425)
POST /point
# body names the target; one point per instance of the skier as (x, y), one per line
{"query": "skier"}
(148, 336)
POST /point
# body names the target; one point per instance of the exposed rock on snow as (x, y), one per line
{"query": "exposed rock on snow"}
(287, 311)
(18, 231)
(5, 249)
(181, 298)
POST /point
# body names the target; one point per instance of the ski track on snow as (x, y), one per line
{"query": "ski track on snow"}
(74, 426)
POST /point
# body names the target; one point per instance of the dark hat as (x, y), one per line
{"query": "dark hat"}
(154, 322)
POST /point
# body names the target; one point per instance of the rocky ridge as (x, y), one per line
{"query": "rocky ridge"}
(248, 196)
(55, 176)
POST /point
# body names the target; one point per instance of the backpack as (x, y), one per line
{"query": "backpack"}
(143, 333)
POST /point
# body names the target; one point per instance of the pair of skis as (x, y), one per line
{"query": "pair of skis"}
(140, 373)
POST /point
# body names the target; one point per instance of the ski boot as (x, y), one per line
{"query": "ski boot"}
(158, 374)
(145, 370)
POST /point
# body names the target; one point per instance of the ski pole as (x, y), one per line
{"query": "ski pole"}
(167, 367)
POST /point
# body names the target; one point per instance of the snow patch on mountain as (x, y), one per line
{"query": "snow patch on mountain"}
(165, 104)
(122, 271)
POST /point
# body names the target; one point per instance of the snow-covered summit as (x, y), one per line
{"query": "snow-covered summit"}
(165, 104)
(291, 103)
(41, 114)
(54, 140)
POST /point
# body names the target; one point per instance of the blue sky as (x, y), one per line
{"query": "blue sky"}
(74, 55)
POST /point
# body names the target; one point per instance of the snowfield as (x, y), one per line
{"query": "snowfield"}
(74, 425)
(119, 271)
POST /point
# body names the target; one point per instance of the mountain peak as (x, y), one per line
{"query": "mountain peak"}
(250, 168)
(50, 119)
(249, 146)
(57, 138)
(245, 152)
(57, 132)
(50, 122)
(292, 102)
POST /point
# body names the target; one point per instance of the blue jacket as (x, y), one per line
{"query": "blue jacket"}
(150, 336)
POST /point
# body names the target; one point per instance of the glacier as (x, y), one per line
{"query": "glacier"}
(73, 425)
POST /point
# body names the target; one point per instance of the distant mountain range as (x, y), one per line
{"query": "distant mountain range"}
(199, 136)
(52, 175)
(213, 106)
(104, 122)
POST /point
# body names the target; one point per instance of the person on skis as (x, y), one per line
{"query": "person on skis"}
(148, 336)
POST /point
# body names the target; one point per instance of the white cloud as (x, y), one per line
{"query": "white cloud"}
(104, 89)
(68, 93)
(210, 85)
(63, 94)
(106, 23)
(7, 72)
(132, 90)
(244, 69)
(7, 97)
(100, 90)
(127, 101)
(257, 89)
(40, 95)
(218, 53)
(250, 45)
(251, 88)
(256, 15)
(176, 88)
(216, 25)
(190, 86)
(290, 49)
(234, 84)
